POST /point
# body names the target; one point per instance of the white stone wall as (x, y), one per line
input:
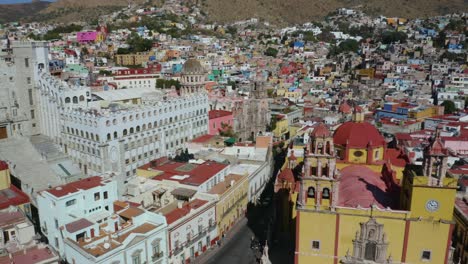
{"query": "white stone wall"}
(179, 230)
(122, 140)
(53, 208)
(18, 101)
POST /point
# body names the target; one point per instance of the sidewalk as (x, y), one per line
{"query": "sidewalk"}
(224, 242)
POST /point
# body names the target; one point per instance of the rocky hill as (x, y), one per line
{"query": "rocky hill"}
(299, 11)
(16, 12)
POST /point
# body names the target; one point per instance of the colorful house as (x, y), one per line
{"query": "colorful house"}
(232, 200)
(86, 36)
(219, 120)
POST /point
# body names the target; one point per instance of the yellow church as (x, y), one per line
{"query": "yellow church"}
(351, 204)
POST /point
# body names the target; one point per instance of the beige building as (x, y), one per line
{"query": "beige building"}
(133, 59)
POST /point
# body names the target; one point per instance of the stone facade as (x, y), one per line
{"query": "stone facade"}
(20, 65)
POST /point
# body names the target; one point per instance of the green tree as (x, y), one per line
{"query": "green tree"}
(389, 37)
(449, 107)
(272, 52)
(166, 84)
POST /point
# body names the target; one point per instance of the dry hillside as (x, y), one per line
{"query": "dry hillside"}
(299, 11)
(15, 12)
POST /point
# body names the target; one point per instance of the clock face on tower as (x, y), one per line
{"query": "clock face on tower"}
(432, 205)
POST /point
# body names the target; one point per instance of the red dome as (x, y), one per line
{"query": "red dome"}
(358, 135)
(320, 131)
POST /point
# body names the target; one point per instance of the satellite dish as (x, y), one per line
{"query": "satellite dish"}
(106, 245)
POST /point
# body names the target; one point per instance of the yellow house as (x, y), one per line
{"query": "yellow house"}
(133, 59)
(232, 200)
(293, 95)
(357, 215)
(423, 113)
(282, 127)
(280, 92)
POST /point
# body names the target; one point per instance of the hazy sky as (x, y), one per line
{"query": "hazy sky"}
(19, 1)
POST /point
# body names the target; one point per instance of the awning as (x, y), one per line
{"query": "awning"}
(230, 140)
(184, 192)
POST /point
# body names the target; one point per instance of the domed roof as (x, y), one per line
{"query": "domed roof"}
(320, 131)
(193, 66)
(358, 135)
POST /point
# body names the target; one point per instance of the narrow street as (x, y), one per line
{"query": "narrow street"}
(260, 225)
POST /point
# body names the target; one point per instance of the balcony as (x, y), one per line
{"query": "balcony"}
(158, 256)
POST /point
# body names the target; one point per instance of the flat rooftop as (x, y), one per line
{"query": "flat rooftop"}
(185, 173)
(225, 185)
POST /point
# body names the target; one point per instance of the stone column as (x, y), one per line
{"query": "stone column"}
(319, 168)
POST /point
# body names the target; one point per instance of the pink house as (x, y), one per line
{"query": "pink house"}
(217, 118)
(86, 36)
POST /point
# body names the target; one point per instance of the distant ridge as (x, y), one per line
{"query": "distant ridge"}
(20, 11)
(300, 11)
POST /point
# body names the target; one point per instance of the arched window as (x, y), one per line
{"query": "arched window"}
(143, 127)
(125, 132)
(67, 100)
(132, 130)
(155, 124)
(108, 123)
(115, 134)
(311, 192)
(75, 99)
(326, 193)
(81, 98)
(150, 126)
(114, 121)
(138, 129)
(108, 136)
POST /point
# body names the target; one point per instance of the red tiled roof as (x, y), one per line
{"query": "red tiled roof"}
(3, 165)
(359, 185)
(320, 131)
(396, 157)
(8, 218)
(12, 196)
(344, 108)
(198, 173)
(32, 255)
(84, 184)
(78, 225)
(358, 134)
(286, 175)
(403, 136)
(218, 113)
(202, 139)
(178, 213)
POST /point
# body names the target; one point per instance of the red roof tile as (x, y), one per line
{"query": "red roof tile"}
(12, 196)
(218, 113)
(198, 173)
(286, 175)
(78, 225)
(84, 184)
(359, 185)
(178, 213)
(320, 131)
(202, 139)
(358, 134)
(33, 255)
(396, 157)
